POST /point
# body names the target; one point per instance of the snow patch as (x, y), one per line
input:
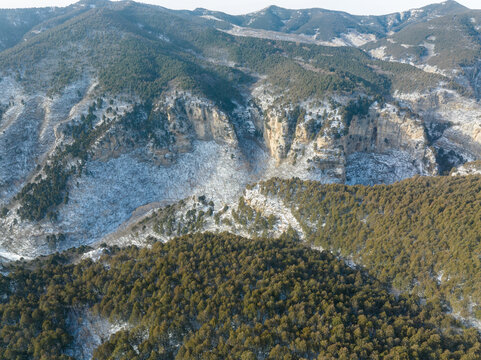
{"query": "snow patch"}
(95, 254)
(270, 35)
(210, 17)
(163, 38)
(378, 53)
(430, 51)
(273, 206)
(371, 168)
(352, 38)
(113, 189)
(89, 332)
(10, 256)
(467, 169)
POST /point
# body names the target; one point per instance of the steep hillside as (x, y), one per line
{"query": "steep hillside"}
(124, 124)
(18, 25)
(14, 24)
(420, 235)
(449, 45)
(217, 296)
(116, 107)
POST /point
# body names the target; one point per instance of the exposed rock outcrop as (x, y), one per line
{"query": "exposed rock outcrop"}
(183, 144)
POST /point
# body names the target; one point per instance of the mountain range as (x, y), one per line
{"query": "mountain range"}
(124, 124)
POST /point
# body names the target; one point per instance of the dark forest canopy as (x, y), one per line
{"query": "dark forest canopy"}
(421, 235)
(223, 297)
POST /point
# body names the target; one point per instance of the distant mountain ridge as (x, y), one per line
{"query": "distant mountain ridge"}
(320, 23)
(325, 24)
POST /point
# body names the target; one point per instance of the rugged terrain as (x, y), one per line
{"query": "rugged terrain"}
(217, 296)
(129, 124)
(90, 139)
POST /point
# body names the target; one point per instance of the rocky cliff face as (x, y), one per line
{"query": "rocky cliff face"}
(167, 129)
(183, 145)
(386, 146)
(83, 153)
(452, 125)
(389, 139)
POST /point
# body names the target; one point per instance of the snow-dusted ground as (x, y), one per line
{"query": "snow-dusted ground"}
(28, 130)
(210, 17)
(11, 256)
(463, 114)
(352, 38)
(18, 147)
(469, 320)
(112, 190)
(467, 169)
(430, 47)
(223, 186)
(381, 53)
(371, 168)
(106, 196)
(271, 35)
(113, 186)
(94, 254)
(273, 206)
(378, 53)
(88, 332)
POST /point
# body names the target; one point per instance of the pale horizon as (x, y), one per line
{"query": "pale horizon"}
(367, 7)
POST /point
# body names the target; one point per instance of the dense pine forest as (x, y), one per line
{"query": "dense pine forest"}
(421, 235)
(222, 297)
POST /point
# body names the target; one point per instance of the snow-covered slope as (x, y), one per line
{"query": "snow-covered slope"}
(216, 154)
(87, 158)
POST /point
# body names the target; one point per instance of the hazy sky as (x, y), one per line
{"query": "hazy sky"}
(245, 6)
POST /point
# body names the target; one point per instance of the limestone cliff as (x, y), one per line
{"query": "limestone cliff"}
(167, 128)
(183, 144)
(318, 133)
